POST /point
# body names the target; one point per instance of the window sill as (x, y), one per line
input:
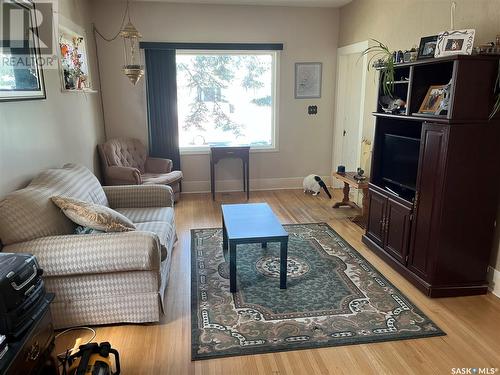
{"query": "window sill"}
(206, 150)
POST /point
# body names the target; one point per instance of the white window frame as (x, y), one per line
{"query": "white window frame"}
(273, 147)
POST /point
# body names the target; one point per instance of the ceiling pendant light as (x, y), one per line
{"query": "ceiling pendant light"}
(133, 67)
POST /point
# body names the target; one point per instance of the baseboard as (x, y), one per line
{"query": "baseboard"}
(255, 184)
(494, 281)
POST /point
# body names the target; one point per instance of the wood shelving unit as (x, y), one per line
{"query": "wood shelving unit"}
(439, 234)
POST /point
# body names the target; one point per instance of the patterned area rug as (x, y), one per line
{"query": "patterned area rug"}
(333, 297)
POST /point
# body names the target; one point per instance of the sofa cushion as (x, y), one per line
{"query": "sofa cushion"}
(29, 213)
(93, 215)
(142, 215)
(165, 232)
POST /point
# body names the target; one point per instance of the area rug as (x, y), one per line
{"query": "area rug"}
(333, 297)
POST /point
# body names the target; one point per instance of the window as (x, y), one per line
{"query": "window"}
(226, 98)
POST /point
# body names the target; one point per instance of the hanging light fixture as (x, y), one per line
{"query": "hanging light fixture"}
(133, 67)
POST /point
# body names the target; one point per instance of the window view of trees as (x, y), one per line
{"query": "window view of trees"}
(225, 99)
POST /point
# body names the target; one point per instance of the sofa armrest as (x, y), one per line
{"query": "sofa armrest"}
(75, 254)
(158, 165)
(116, 175)
(139, 196)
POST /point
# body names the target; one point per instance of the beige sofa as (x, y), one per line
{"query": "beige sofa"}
(125, 161)
(97, 278)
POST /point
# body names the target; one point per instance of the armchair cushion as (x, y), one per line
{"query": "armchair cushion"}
(154, 178)
(124, 152)
(92, 215)
(116, 175)
(158, 165)
(139, 196)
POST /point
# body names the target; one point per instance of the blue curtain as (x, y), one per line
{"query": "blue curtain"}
(162, 104)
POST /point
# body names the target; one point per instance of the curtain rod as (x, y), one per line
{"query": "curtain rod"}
(213, 46)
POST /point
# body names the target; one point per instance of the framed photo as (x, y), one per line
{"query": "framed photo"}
(308, 80)
(432, 101)
(427, 47)
(455, 42)
(73, 58)
(21, 73)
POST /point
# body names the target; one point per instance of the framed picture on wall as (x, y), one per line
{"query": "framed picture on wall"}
(21, 73)
(308, 77)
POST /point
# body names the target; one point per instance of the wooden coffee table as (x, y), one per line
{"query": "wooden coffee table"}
(252, 223)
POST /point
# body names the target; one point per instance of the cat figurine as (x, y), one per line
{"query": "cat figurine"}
(314, 184)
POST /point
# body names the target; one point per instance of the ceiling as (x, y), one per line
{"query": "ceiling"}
(298, 3)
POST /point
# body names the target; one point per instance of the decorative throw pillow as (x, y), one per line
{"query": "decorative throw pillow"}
(93, 215)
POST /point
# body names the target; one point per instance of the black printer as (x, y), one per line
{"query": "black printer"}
(22, 293)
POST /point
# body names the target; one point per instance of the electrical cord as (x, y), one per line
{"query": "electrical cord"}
(76, 329)
(121, 26)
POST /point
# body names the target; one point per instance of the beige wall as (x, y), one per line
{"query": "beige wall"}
(401, 23)
(308, 34)
(39, 134)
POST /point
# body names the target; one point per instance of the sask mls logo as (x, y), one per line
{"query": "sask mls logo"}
(474, 371)
(27, 25)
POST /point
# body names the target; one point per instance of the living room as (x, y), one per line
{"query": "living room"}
(213, 132)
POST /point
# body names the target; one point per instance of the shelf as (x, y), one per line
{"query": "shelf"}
(398, 82)
(419, 118)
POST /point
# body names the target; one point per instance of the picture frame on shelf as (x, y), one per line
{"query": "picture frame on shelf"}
(308, 77)
(74, 69)
(427, 47)
(432, 101)
(455, 42)
(22, 77)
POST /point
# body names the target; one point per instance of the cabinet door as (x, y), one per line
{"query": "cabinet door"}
(376, 216)
(427, 205)
(397, 230)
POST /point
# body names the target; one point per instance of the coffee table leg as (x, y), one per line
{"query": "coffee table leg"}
(224, 235)
(232, 266)
(283, 262)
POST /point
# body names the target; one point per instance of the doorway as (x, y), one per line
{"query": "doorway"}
(350, 110)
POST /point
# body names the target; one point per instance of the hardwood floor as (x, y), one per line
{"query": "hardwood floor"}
(472, 324)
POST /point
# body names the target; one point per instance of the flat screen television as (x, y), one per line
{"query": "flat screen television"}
(400, 162)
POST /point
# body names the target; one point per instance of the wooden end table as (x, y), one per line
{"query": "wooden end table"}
(252, 223)
(348, 179)
(224, 152)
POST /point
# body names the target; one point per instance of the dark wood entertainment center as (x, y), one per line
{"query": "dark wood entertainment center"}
(438, 233)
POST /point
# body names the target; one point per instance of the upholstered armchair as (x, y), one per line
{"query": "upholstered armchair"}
(125, 162)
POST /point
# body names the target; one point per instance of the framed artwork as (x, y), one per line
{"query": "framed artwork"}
(432, 101)
(73, 58)
(455, 42)
(308, 80)
(21, 73)
(427, 47)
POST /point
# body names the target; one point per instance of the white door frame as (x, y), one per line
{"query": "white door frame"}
(355, 48)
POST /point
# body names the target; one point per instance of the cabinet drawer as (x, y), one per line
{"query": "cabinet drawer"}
(32, 354)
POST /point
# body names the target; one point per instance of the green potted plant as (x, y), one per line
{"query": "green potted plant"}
(381, 52)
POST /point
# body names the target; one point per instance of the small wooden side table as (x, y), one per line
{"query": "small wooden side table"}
(225, 152)
(349, 180)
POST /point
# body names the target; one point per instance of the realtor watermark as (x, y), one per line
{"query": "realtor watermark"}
(474, 370)
(28, 34)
